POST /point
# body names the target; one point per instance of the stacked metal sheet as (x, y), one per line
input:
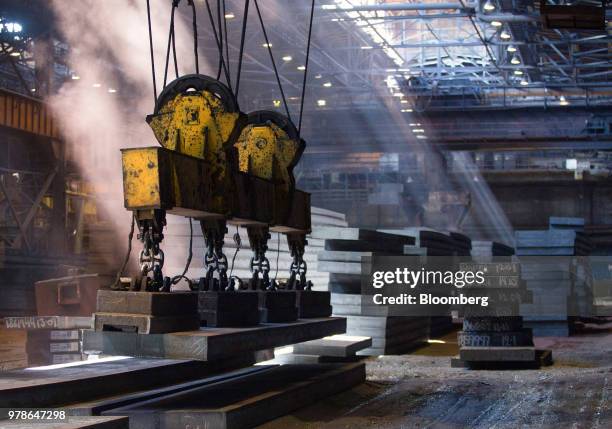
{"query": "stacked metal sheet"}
(41, 340)
(561, 286)
(463, 243)
(490, 248)
(176, 246)
(488, 342)
(344, 248)
(431, 242)
(54, 346)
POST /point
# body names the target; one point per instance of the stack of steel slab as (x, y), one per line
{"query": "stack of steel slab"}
(41, 340)
(488, 249)
(601, 237)
(344, 250)
(240, 399)
(438, 244)
(551, 285)
(463, 243)
(337, 348)
(561, 286)
(572, 223)
(176, 248)
(209, 344)
(553, 242)
(54, 346)
(146, 312)
(488, 342)
(166, 394)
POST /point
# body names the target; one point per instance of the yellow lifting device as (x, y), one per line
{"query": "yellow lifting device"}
(216, 165)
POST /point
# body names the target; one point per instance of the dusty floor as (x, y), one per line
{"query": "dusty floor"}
(421, 390)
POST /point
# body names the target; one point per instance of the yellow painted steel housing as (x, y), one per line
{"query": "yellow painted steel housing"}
(198, 116)
(269, 147)
(217, 162)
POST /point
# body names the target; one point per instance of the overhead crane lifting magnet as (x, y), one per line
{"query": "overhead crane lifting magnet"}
(218, 166)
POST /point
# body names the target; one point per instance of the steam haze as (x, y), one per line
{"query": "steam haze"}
(109, 46)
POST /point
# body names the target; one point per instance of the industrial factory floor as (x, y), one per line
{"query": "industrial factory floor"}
(421, 390)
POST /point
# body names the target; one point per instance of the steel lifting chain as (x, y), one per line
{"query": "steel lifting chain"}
(222, 264)
(215, 261)
(298, 269)
(151, 260)
(210, 262)
(260, 264)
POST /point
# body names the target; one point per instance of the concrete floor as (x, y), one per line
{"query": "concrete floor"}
(421, 390)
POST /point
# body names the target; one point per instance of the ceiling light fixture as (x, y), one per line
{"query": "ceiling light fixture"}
(496, 23)
(230, 15)
(321, 103)
(505, 35)
(524, 82)
(287, 58)
(511, 48)
(563, 101)
(515, 59)
(488, 6)
(301, 68)
(518, 72)
(327, 84)
(266, 45)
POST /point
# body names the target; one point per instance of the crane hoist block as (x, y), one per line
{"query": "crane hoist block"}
(269, 147)
(218, 166)
(159, 178)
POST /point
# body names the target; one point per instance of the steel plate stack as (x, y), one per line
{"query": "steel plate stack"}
(561, 284)
(344, 249)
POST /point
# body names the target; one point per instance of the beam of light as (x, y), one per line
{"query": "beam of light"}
(78, 363)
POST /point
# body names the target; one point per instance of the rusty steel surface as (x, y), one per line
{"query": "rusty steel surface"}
(27, 114)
